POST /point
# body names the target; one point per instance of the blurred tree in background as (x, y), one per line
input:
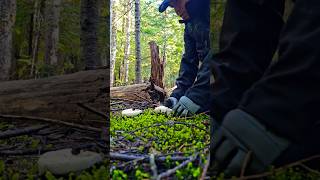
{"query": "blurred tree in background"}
(46, 38)
(163, 28)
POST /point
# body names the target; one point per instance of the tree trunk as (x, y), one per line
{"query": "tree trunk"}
(56, 97)
(52, 31)
(113, 49)
(89, 33)
(157, 65)
(127, 44)
(137, 38)
(36, 36)
(7, 20)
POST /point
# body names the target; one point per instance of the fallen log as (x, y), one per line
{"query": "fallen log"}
(138, 92)
(57, 97)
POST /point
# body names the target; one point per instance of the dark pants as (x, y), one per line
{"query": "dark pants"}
(284, 96)
(197, 45)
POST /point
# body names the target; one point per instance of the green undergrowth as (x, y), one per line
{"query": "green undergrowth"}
(25, 167)
(161, 135)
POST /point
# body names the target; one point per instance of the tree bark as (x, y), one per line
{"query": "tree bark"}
(89, 33)
(138, 92)
(56, 97)
(127, 44)
(113, 49)
(36, 37)
(7, 20)
(157, 65)
(52, 31)
(138, 43)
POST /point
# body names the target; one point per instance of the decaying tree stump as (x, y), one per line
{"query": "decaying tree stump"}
(157, 65)
(139, 92)
(57, 97)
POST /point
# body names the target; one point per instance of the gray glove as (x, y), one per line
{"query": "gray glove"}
(185, 107)
(170, 102)
(239, 134)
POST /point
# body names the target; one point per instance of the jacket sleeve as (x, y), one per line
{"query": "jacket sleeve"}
(198, 8)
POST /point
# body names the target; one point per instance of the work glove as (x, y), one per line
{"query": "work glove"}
(239, 134)
(185, 107)
(170, 102)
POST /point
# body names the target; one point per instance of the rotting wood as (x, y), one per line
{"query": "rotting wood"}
(19, 132)
(148, 91)
(56, 97)
(157, 65)
(14, 117)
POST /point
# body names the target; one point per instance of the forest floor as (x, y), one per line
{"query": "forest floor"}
(157, 146)
(19, 153)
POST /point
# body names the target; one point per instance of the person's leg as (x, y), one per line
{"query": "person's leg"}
(199, 93)
(287, 98)
(248, 41)
(189, 65)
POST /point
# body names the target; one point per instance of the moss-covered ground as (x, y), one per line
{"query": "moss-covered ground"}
(162, 135)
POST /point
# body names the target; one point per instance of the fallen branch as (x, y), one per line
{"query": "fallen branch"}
(26, 152)
(19, 132)
(54, 121)
(172, 171)
(205, 169)
(297, 163)
(310, 169)
(126, 157)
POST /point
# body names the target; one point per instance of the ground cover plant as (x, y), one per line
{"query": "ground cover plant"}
(157, 146)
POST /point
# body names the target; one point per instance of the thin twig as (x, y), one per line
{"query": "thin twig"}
(116, 103)
(153, 166)
(310, 169)
(173, 170)
(245, 163)
(54, 121)
(205, 169)
(126, 157)
(19, 132)
(262, 175)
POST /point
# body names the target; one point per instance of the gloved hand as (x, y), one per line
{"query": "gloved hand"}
(239, 134)
(185, 107)
(170, 102)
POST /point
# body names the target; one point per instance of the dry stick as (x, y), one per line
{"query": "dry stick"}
(26, 152)
(54, 121)
(116, 103)
(126, 157)
(153, 166)
(127, 163)
(205, 169)
(262, 175)
(190, 117)
(173, 170)
(245, 164)
(91, 109)
(19, 132)
(310, 169)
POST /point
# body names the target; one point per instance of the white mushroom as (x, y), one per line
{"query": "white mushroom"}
(163, 110)
(131, 112)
